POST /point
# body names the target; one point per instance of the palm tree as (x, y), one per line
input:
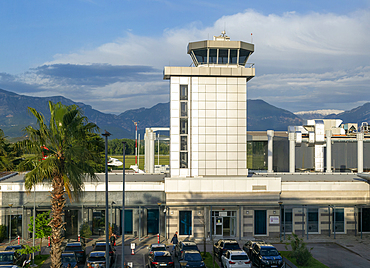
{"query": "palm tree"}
(65, 152)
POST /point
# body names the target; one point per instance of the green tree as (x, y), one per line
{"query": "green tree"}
(299, 249)
(10, 155)
(28, 250)
(65, 151)
(42, 227)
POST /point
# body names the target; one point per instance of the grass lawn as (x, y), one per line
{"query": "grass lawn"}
(312, 263)
(130, 160)
(209, 260)
(40, 259)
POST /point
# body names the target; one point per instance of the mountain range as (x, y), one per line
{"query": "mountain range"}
(14, 115)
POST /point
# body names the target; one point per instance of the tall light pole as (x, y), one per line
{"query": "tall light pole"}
(135, 123)
(123, 207)
(34, 223)
(10, 222)
(159, 222)
(280, 204)
(106, 134)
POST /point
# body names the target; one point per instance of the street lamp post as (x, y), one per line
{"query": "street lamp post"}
(280, 204)
(123, 206)
(34, 224)
(159, 222)
(106, 134)
(10, 222)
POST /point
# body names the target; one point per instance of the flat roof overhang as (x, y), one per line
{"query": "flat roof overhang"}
(247, 73)
(220, 44)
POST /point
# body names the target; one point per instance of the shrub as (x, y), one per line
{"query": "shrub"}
(299, 250)
(85, 230)
(2, 232)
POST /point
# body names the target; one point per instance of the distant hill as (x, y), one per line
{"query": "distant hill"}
(14, 115)
(356, 115)
(262, 116)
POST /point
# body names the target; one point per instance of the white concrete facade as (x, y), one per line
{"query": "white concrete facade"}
(216, 126)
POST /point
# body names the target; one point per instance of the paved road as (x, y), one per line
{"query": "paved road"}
(334, 256)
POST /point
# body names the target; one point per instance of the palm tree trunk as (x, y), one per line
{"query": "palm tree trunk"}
(57, 223)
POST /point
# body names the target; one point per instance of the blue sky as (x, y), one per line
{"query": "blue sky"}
(308, 55)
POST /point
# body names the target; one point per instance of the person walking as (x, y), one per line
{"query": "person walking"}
(174, 241)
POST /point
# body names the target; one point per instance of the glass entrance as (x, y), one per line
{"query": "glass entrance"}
(224, 223)
(219, 226)
(71, 217)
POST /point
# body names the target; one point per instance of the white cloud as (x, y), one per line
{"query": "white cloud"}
(317, 60)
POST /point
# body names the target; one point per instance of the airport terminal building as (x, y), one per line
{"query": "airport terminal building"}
(303, 180)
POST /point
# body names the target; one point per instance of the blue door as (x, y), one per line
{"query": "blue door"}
(260, 222)
(128, 221)
(153, 221)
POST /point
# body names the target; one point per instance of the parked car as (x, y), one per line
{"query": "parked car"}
(184, 246)
(160, 259)
(266, 255)
(14, 247)
(96, 259)
(11, 257)
(69, 258)
(156, 247)
(248, 246)
(9, 266)
(79, 249)
(191, 259)
(100, 246)
(235, 259)
(223, 245)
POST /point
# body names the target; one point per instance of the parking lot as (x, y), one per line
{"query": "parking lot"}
(348, 252)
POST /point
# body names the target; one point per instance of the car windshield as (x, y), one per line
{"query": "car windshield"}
(190, 247)
(231, 246)
(269, 252)
(239, 257)
(6, 257)
(163, 258)
(68, 259)
(192, 257)
(73, 248)
(13, 247)
(158, 249)
(96, 258)
(101, 248)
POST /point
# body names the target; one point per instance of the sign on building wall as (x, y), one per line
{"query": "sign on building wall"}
(274, 220)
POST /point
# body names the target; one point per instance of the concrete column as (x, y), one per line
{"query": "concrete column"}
(149, 150)
(360, 152)
(328, 151)
(291, 152)
(270, 156)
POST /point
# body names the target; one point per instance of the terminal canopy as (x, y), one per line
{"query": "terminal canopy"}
(220, 51)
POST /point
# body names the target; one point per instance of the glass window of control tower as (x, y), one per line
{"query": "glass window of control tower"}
(243, 55)
(201, 55)
(213, 56)
(233, 56)
(223, 56)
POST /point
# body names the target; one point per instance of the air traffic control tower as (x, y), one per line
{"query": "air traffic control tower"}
(209, 109)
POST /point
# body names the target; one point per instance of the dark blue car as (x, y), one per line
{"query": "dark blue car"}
(191, 259)
(265, 255)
